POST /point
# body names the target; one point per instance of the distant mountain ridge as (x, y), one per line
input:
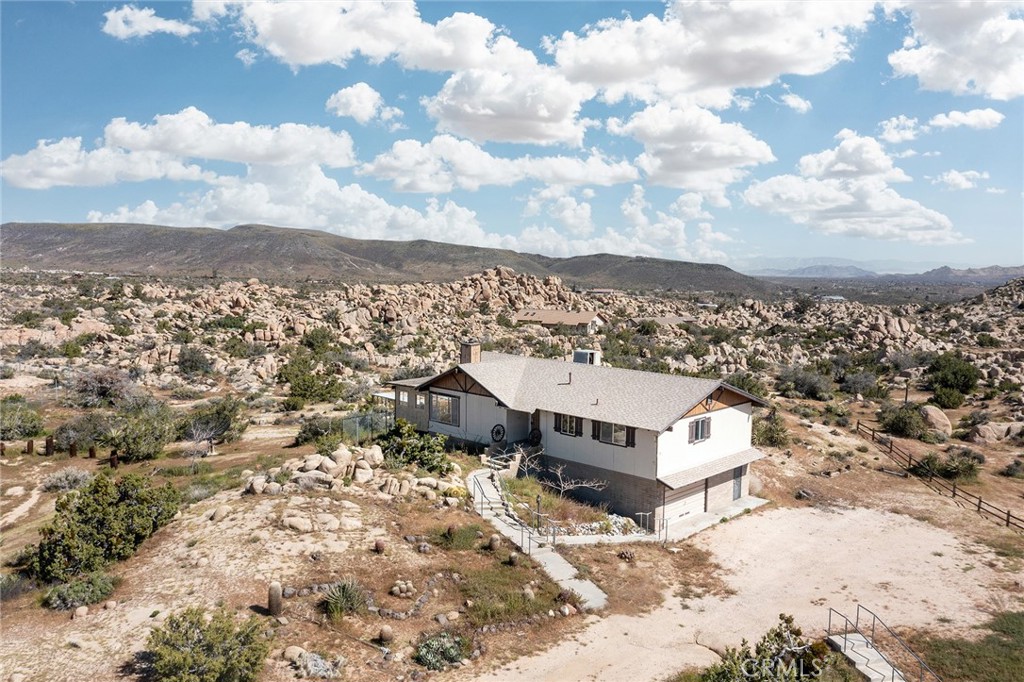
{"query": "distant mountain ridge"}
(293, 254)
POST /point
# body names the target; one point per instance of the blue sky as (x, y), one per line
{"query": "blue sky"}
(719, 132)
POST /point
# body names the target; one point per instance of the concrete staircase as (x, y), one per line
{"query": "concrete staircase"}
(859, 650)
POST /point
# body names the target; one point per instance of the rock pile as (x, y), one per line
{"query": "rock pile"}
(352, 465)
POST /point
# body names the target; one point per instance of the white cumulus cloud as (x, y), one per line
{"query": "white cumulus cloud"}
(955, 180)
(692, 148)
(979, 119)
(138, 22)
(446, 162)
(974, 48)
(361, 102)
(900, 128)
(700, 52)
(845, 191)
(796, 103)
(133, 152)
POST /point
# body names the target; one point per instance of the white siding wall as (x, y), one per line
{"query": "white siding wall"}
(637, 461)
(517, 426)
(477, 416)
(730, 432)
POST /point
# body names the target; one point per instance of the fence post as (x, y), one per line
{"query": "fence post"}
(30, 447)
(954, 490)
(979, 504)
(73, 450)
(1007, 518)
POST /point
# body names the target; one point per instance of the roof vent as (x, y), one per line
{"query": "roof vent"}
(586, 357)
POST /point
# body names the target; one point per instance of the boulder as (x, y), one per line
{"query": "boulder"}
(937, 419)
(374, 455)
(362, 475)
(299, 523)
(311, 463)
(294, 653)
(220, 512)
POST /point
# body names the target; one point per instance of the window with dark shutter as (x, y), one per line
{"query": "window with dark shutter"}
(630, 437)
(693, 432)
(707, 427)
(558, 422)
(595, 429)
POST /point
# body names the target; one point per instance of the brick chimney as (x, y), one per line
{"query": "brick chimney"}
(469, 351)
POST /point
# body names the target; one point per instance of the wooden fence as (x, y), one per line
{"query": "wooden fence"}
(936, 482)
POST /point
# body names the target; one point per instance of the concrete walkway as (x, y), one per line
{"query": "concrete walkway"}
(488, 503)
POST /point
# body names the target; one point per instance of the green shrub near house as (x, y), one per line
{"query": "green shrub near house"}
(188, 648)
(103, 522)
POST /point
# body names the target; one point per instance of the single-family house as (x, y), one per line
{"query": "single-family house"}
(667, 445)
(584, 322)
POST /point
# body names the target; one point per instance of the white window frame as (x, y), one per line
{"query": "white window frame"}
(613, 434)
(452, 409)
(421, 401)
(568, 425)
(403, 397)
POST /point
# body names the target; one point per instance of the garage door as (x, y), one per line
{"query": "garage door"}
(684, 501)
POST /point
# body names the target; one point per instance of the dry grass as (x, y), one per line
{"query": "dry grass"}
(640, 585)
(563, 510)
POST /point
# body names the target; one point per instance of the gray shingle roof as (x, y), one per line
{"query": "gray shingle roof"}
(567, 317)
(706, 469)
(645, 400)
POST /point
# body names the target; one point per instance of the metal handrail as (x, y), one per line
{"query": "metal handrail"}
(922, 666)
(855, 626)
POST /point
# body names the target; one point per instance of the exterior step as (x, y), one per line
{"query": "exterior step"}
(865, 657)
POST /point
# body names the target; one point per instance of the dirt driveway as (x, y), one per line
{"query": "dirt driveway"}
(796, 561)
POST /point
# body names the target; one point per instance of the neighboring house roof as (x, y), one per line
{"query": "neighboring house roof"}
(566, 317)
(711, 468)
(668, 321)
(645, 400)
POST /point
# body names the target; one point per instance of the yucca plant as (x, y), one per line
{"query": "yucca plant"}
(343, 598)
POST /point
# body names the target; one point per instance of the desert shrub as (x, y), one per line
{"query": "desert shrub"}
(959, 464)
(6, 372)
(951, 370)
(103, 522)
(318, 340)
(1014, 469)
(413, 372)
(781, 654)
(103, 387)
(328, 443)
(85, 430)
(747, 382)
(13, 585)
(402, 446)
(218, 420)
(948, 398)
(770, 431)
(70, 349)
(192, 361)
(317, 427)
(797, 382)
(236, 347)
(88, 589)
(986, 340)
(18, 420)
(974, 418)
(439, 651)
(189, 649)
(343, 598)
(140, 431)
(647, 328)
(66, 479)
(292, 403)
(306, 382)
(456, 537)
(863, 383)
(184, 392)
(903, 420)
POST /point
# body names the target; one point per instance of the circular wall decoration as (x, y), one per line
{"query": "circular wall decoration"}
(498, 432)
(534, 437)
